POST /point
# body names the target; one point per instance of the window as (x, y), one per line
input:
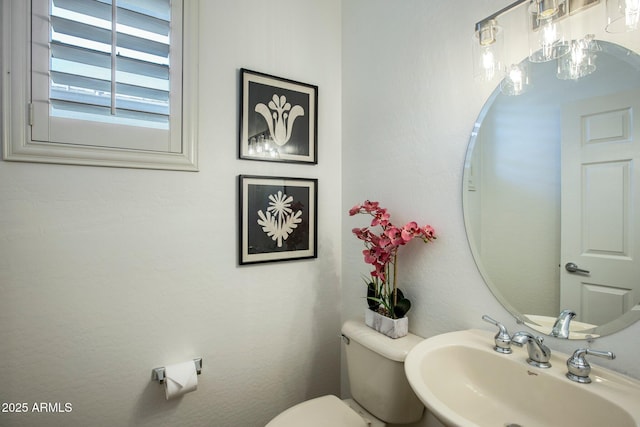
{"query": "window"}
(101, 82)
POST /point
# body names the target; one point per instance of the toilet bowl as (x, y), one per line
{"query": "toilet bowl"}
(379, 388)
(322, 411)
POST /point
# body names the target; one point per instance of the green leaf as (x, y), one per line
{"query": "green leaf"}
(402, 307)
(372, 299)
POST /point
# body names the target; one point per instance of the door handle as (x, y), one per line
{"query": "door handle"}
(573, 268)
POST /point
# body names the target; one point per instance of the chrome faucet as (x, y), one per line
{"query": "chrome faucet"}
(502, 339)
(579, 368)
(539, 354)
(561, 326)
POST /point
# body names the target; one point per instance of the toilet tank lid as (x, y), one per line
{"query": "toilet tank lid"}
(393, 349)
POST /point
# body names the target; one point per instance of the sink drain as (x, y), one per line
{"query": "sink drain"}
(512, 425)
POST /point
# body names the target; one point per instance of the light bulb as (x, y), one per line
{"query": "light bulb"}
(632, 14)
(515, 74)
(623, 16)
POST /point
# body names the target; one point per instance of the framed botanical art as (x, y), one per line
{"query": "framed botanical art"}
(278, 119)
(278, 219)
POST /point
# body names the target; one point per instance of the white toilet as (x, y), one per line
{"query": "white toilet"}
(380, 390)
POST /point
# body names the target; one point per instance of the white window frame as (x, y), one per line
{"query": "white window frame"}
(19, 144)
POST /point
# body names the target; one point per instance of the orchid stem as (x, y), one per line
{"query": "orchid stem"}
(395, 270)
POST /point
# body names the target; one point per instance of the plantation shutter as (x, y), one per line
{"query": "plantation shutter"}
(109, 74)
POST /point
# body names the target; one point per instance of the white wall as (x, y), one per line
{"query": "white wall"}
(410, 103)
(108, 273)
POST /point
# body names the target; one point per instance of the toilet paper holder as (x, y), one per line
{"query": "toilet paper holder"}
(157, 374)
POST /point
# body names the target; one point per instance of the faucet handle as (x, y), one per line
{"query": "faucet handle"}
(579, 368)
(502, 338)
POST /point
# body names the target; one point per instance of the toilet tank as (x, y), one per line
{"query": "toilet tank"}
(375, 366)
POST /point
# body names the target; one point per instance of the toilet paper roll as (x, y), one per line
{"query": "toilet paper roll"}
(180, 378)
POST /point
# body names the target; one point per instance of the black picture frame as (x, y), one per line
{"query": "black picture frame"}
(278, 218)
(278, 119)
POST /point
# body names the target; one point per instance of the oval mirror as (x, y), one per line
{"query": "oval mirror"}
(551, 196)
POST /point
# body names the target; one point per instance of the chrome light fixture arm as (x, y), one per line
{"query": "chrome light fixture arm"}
(493, 16)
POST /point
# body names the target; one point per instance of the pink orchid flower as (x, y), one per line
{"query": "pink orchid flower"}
(429, 232)
(381, 248)
(384, 241)
(410, 230)
(370, 206)
(369, 256)
(395, 235)
(359, 232)
(381, 217)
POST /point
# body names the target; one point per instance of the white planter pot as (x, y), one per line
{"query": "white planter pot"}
(393, 328)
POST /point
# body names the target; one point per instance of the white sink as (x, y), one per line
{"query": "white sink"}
(464, 382)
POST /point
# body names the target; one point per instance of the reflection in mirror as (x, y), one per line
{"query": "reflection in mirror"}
(549, 181)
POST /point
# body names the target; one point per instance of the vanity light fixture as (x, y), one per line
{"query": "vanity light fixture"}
(548, 34)
(546, 37)
(488, 51)
(623, 16)
(549, 39)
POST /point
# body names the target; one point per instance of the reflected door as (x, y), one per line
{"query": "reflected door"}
(600, 207)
